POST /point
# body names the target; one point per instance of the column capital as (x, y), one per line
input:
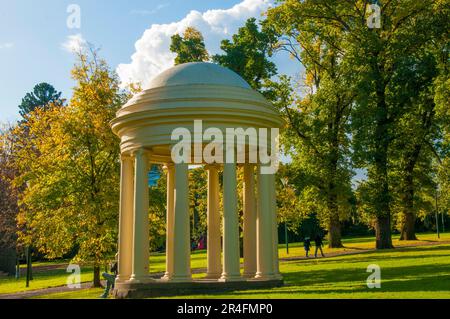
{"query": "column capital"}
(168, 166)
(126, 157)
(212, 166)
(142, 151)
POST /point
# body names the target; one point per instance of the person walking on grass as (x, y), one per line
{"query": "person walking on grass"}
(307, 245)
(319, 243)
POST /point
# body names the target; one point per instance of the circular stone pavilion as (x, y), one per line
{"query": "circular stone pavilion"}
(179, 98)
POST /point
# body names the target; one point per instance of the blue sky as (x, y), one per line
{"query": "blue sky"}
(133, 37)
(32, 33)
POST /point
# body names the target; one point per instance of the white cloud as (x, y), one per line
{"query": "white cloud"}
(6, 45)
(152, 54)
(145, 12)
(74, 43)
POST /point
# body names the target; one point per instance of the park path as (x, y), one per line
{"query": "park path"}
(356, 251)
(45, 291)
(60, 289)
(87, 285)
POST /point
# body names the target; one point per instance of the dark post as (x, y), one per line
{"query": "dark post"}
(285, 182)
(437, 214)
(443, 224)
(286, 239)
(28, 258)
(31, 263)
(17, 267)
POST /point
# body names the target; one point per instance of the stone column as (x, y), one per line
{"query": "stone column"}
(213, 241)
(249, 203)
(231, 258)
(273, 204)
(140, 221)
(264, 228)
(170, 169)
(181, 229)
(126, 219)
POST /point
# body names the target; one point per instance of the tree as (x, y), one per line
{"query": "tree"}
(441, 98)
(413, 150)
(157, 213)
(198, 201)
(318, 115)
(289, 208)
(384, 99)
(190, 47)
(248, 54)
(73, 175)
(376, 56)
(8, 195)
(43, 94)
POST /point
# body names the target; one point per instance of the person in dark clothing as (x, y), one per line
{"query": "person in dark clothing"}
(110, 278)
(307, 245)
(319, 243)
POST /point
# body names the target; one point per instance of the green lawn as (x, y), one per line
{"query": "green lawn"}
(43, 279)
(418, 272)
(92, 293)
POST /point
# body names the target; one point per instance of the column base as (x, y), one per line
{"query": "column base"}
(140, 279)
(176, 278)
(261, 276)
(228, 278)
(166, 277)
(278, 276)
(213, 276)
(195, 287)
(122, 278)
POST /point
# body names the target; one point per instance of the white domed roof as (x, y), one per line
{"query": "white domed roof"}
(198, 73)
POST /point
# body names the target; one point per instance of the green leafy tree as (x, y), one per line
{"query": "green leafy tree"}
(71, 169)
(248, 54)
(288, 199)
(318, 116)
(190, 47)
(384, 100)
(377, 57)
(43, 94)
(8, 194)
(198, 201)
(416, 147)
(157, 213)
(441, 99)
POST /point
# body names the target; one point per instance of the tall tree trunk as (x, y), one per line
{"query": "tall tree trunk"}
(383, 232)
(382, 197)
(382, 201)
(407, 229)
(334, 232)
(97, 283)
(382, 142)
(334, 224)
(411, 158)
